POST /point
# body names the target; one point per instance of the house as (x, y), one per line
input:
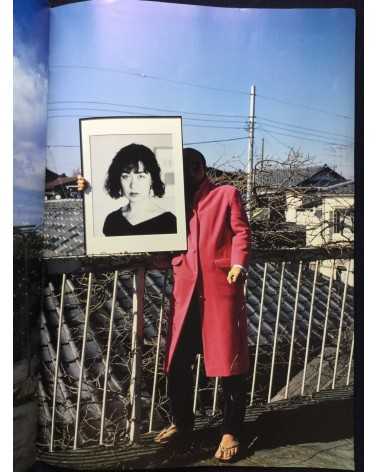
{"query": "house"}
(325, 208)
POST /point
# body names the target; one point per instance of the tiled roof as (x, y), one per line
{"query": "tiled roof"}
(63, 229)
(286, 176)
(345, 188)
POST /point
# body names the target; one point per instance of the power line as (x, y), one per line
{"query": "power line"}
(229, 118)
(307, 139)
(217, 140)
(279, 141)
(112, 110)
(185, 144)
(143, 75)
(300, 132)
(62, 146)
(186, 125)
(302, 127)
(169, 110)
(308, 107)
(77, 116)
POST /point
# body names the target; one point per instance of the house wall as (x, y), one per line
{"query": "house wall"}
(319, 223)
(293, 201)
(319, 220)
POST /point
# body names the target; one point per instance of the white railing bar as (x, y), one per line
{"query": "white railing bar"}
(137, 335)
(325, 324)
(197, 382)
(57, 360)
(309, 326)
(341, 324)
(293, 329)
(82, 359)
(215, 395)
(276, 331)
(114, 298)
(157, 352)
(258, 333)
(350, 361)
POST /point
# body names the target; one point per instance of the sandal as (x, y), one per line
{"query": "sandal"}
(223, 449)
(169, 434)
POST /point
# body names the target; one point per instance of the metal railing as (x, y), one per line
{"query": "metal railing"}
(283, 360)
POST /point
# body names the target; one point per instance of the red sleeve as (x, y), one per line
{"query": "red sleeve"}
(241, 240)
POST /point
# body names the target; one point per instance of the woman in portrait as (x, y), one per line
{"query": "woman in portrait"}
(134, 173)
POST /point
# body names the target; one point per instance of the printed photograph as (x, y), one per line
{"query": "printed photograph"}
(134, 200)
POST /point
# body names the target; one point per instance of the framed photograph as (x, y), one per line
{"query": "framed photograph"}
(134, 201)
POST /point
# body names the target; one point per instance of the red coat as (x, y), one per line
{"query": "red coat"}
(218, 237)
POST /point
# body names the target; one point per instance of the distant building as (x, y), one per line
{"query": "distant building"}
(324, 206)
(59, 186)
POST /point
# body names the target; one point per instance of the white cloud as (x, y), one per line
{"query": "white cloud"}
(30, 108)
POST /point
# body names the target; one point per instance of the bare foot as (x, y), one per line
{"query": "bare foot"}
(166, 434)
(228, 448)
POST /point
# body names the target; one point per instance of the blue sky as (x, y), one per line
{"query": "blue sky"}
(124, 55)
(30, 56)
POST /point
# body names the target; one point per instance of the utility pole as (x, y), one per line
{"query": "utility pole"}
(251, 136)
(262, 154)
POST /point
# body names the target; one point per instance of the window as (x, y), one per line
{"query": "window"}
(343, 218)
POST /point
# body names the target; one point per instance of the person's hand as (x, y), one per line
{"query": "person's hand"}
(235, 273)
(81, 183)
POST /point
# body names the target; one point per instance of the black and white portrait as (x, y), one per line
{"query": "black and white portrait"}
(135, 200)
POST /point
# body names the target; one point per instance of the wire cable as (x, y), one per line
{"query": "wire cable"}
(112, 110)
(308, 139)
(300, 132)
(259, 117)
(169, 110)
(220, 140)
(308, 107)
(143, 75)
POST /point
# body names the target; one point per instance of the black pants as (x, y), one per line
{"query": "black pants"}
(180, 380)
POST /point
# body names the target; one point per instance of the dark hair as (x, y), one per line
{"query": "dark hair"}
(190, 153)
(128, 158)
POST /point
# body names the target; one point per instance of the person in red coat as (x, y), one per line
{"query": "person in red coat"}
(208, 312)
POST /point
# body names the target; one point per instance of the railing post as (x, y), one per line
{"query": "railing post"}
(325, 324)
(350, 361)
(108, 357)
(276, 331)
(57, 360)
(309, 326)
(157, 353)
(215, 395)
(293, 330)
(258, 333)
(341, 324)
(197, 382)
(82, 359)
(136, 345)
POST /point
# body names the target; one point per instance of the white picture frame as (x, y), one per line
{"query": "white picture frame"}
(120, 217)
